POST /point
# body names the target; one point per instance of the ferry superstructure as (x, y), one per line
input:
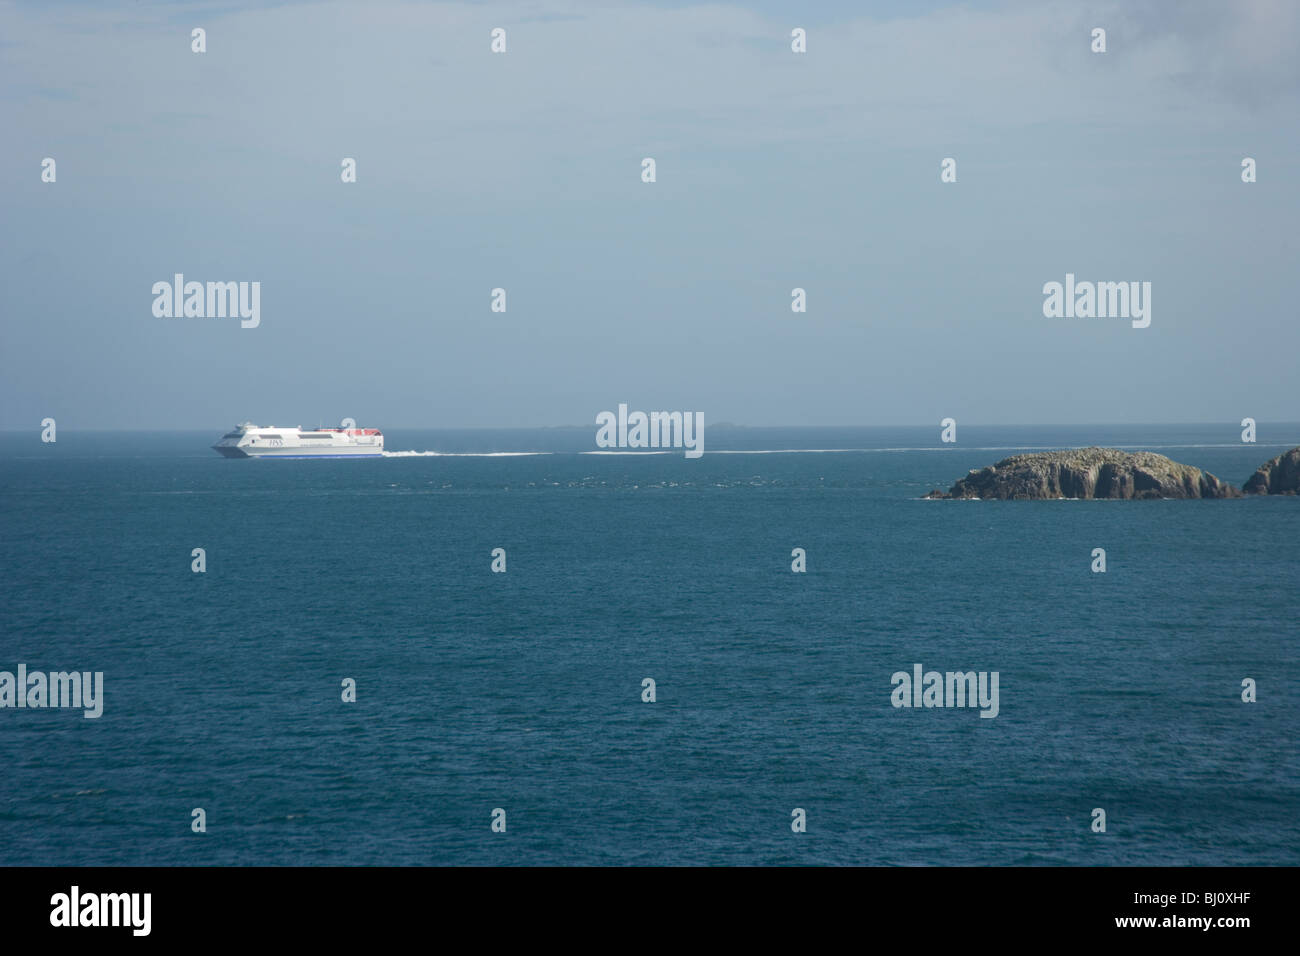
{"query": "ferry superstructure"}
(247, 440)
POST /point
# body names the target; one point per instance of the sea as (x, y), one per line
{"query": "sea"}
(502, 718)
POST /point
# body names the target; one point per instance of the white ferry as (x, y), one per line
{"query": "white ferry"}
(247, 440)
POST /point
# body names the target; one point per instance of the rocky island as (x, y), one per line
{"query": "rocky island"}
(1089, 473)
(1280, 476)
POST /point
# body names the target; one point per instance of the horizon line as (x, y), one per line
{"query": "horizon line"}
(723, 424)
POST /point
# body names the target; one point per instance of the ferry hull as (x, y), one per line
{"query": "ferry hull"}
(297, 453)
(268, 441)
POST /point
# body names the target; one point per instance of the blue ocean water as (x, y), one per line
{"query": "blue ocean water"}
(522, 690)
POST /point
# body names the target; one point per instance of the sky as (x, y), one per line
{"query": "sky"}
(774, 170)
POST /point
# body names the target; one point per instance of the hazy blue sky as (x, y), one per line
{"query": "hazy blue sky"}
(522, 170)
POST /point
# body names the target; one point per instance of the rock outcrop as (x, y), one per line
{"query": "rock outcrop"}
(1089, 473)
(1281, 476)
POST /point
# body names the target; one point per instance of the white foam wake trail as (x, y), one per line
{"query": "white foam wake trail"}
(949, 448)
(463, 454)
(954, 447)
(817, 451)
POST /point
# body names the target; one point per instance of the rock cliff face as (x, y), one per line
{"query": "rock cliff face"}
(1089, 473)
(1281, 476)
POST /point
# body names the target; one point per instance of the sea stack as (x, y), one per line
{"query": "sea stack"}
(1280, 476)
(1089, 473)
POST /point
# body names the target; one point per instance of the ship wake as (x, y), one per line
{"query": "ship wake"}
(463, 454)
